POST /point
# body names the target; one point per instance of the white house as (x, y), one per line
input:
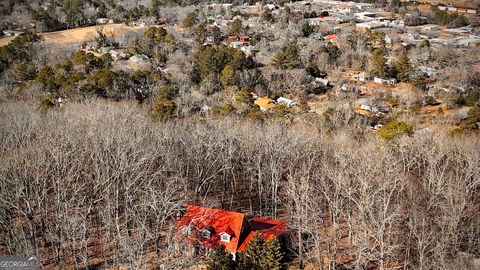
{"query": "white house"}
(236, 44)
(370, 25)
(428, 70)
(104, 21)
(248, 50)
(369, 108)
(13, 33)
(314, 21)
(287, 102)
(365, 16)
(361, 77)
(384, 81)
(321, 81)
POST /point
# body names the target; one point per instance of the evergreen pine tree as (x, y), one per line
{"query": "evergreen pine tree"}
(201, 32)
(307, 29)
(378, 63)
(243, 262)
(293, 55)
(190, 20)
(403, 68)
(236, 27)
(254, 253)
(217, 34)
(221, 260)
(273, 255)
(287, 58)
(154, 8)
(227, 77)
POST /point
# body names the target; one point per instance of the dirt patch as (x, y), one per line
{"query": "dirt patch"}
(4, 41)
(84, 34)
(78, 35)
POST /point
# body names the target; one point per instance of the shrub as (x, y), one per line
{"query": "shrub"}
(255, 114)
(24, 72)
(190, 20)
(163, 109)
(243, 97)
(288, 57)
(224, 110)
(46, 104)
(470, 99)
(469, 125)
(394, 129)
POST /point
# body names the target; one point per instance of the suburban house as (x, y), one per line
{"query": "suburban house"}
(13, 33)
(370, 105)
(321, 81)
(384, 81)
(331, 37)
(370, 25)
(209, 228)
(244, 38)
(361, 77)
(103, 21)
(265, 103)
(286, 101)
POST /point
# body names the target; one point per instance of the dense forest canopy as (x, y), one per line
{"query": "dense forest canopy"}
(102, 170)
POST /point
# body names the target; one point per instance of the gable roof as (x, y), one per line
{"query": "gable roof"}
(265, 102)
(267, 227)
(217, 221)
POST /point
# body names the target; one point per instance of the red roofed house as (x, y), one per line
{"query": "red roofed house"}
(244, 38)
(212, 227)
(331, 37)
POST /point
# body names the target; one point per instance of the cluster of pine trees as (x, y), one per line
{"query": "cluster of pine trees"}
(219, 63)
(259, 254)
(450, 19)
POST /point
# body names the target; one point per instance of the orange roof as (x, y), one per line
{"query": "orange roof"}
(265, 102)
(331, 36)
(217, 221)
(344, 6)
(424, 6)
(214, 220)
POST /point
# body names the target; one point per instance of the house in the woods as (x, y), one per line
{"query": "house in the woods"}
(361, 77)
(206, 227)
(286, 101)
(331, 37)
(265, 103)
(13, 33)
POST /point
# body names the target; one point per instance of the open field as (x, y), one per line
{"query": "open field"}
(84, 34)
(78, 35)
